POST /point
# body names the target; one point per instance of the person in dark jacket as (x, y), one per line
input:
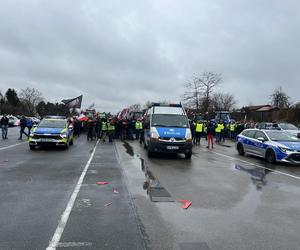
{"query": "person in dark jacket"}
(22, 127)
(210, 134)
(4, 125)
(90, 129)
(29, 124)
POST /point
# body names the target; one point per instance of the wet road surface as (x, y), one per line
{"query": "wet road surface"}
(237, 202)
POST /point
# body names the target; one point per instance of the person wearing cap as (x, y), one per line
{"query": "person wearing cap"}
(4, 125)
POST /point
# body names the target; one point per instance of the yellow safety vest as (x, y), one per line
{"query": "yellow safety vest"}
(219, 128)
(199, 127)
(104, 126)
(232, 127)
(138, 125)
(110, 127)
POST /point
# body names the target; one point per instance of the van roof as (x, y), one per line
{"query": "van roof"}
(168, 110)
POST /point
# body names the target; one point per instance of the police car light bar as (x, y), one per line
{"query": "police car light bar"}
(166, 105)
(55, 117)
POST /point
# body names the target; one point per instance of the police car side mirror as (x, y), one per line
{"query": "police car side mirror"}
(261, 139)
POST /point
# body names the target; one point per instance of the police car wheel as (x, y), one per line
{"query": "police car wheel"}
(270, 156)
(240, 149)
(32, 147)
(67, 145)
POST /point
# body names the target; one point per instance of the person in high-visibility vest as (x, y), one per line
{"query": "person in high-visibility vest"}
(138, 129)
(232, 128)
(223, 131)
(104, 130)
(218, 130)
(111, 130)
(198, 131)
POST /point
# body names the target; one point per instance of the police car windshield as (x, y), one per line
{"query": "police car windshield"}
(52, 124)
(281, 136)
(288, 126)
(160, 120)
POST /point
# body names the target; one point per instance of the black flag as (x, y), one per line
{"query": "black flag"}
(74, 102)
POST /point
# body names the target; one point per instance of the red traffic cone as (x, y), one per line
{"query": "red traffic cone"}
(102, 182)
(186, 204)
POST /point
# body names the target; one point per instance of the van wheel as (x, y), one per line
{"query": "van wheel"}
(240, 149)
(188, 155)
(270, 156)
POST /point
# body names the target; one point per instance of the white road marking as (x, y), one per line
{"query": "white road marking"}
(14, 145)
(74, 244)
(53, 244)
(256, 165)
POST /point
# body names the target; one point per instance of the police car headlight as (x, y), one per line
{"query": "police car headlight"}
(31, 135)
(153, 133)
(188, 135)
(286, 150)
(64, 135)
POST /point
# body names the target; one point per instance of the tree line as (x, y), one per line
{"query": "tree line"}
(29, 102)
(200, 95)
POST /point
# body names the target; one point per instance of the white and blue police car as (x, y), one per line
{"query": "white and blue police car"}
(273, 145)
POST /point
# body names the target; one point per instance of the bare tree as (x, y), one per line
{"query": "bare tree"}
(192, 97)
(280, 99)
(30, 97)
(199, 94)
(223, 101)
(208, 81)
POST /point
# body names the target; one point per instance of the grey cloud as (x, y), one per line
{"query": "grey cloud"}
(119, 53)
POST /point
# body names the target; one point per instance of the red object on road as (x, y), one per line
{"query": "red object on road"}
(102, 182)
(186, 203)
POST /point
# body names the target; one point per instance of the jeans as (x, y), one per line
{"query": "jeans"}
(218, 136)
(22, 131)
(4, 131)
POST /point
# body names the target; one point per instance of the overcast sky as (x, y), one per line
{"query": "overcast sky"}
(118, 53)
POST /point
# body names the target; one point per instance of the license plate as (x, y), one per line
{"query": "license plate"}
(172, 147)
(46, 140)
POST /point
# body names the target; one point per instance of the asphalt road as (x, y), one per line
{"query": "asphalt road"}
(49, 198)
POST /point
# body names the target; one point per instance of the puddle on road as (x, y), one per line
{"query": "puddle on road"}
(129, 148)
(156, 192)
(258, 175)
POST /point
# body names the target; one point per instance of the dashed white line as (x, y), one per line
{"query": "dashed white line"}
(14, 145)
(256, 165)
(54, 243)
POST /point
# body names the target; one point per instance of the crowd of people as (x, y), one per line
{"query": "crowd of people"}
(218, 130)
(110, 128)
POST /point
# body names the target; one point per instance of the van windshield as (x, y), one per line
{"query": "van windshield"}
(160, 120)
